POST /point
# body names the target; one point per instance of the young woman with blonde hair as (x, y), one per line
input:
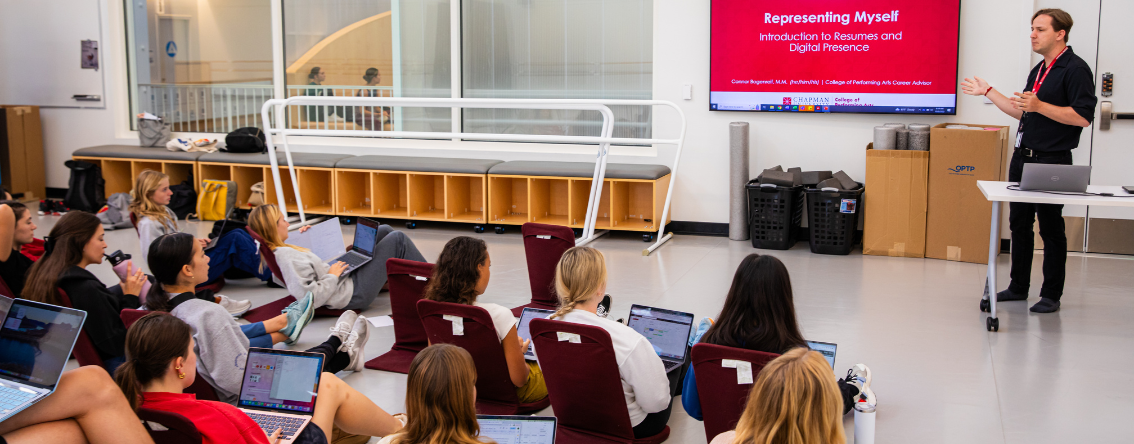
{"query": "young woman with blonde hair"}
(580, 281)
(440, 399)
(305, 272)
(795, 400)
(460, 277)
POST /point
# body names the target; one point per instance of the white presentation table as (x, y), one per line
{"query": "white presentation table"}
(998, 192)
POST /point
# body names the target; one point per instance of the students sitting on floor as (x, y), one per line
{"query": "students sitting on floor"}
(75, 242)
(232, 250)
(16, 230)
(440, 399)
(461, 276)
(162, 364)
(85, 407)
(179, 264)
(794, 400)
(759, 314)
(580, 281)
(304, 272)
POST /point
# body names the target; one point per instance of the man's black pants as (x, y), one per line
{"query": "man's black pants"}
(1021, 219)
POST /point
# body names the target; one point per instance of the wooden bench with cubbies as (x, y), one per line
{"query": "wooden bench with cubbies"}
(121, 164)
(315, 172)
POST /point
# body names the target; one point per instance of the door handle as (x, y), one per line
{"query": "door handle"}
(1106, 114)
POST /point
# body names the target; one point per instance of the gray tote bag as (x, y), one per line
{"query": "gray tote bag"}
(154, 133)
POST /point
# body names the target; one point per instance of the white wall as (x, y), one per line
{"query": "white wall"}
(994, 45)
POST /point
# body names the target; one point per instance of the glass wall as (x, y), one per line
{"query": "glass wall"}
(557, 49)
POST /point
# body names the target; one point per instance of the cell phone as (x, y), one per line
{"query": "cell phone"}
(1129, 189)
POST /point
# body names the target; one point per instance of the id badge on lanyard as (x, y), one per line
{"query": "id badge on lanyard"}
(1035, 90)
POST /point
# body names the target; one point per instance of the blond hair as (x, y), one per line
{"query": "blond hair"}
(263, 220)
(795, 400)
(440, 400)
(142, 199)
(580, 274)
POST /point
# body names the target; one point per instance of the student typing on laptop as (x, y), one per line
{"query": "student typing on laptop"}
(304, 272)
(162, 364)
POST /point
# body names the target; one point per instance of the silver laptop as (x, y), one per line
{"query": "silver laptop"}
(280, 389)
(523, 331)
(5, 304)
(827, 349)
(365, 237)
(518, 429)
(1062, 178)
(667, 330)
(35, 342)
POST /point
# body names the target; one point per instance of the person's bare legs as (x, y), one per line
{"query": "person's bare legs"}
(342, 405)
(66, 431)
(275, 324)
(91, 398)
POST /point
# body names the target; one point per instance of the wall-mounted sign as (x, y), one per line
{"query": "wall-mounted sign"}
(171, 49)
(89, 55)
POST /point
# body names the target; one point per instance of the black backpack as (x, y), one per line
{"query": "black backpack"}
(86, 190)
(184, 199)
(246, 140)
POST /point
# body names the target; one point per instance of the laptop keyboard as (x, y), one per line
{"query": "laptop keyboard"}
(670, 365)
(289, 425)
(11, 398)
(353, 260)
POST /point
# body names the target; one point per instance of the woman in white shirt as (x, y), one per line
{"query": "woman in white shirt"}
(580, 281)
(460, 277)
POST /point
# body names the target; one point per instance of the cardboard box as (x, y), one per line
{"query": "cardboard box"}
(895, 212)
(21, 151)
(958, 216)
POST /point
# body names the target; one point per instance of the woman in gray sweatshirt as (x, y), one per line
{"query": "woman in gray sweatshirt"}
(179, 264)
(304, 272)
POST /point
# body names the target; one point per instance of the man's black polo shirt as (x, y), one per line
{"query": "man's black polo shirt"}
(1070, 83)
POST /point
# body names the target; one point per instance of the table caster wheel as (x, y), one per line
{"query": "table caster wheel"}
(478, 229)
(985, 306)
(992, 324)
(647, 238)
(411, 224)
(499, 230)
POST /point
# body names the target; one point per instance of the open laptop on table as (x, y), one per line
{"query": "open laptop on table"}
(363, 251)
(667, 330)
(827, 349)
(35, 342)
(1061, 178)
(280, 389)
(523, 331)
(518, 429)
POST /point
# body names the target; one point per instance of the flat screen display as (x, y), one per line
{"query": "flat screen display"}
(834, 56)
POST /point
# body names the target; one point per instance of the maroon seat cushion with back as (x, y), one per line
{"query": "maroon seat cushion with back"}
(84, 351)
(273, 309)
(598, 412)
(407, 280)
(134, 221)
(130, 316)
(4, 290)
(722, 398)
(169, 427)
(495, 393)
(544, 245)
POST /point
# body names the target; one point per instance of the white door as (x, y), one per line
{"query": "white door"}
(1110, 229)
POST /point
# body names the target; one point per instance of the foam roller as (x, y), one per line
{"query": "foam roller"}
(903, 139)
(738, 177)
(885, 137)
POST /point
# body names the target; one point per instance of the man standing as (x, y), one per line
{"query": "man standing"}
(1058, 102)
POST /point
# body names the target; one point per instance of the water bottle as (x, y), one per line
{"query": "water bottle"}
(863, 423)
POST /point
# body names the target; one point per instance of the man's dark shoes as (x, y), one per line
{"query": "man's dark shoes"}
(1009, 295)
(1046, 305)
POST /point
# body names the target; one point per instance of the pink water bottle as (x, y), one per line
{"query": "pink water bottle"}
(119, 261)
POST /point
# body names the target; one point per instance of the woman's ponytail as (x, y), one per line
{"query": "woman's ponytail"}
(127, 379)
(580, 274)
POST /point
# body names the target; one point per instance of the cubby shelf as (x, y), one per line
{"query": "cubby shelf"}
(119, 173)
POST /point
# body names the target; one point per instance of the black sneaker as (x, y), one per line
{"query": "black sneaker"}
(1009, 295)
(1046, 305)
(604, 306)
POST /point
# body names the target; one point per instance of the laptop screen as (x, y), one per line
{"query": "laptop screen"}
(667, 330)
(364, 233)
(281, 380)
(36, 341)
(518, 429)
(827, 349)
(526, 319)
(5, 304)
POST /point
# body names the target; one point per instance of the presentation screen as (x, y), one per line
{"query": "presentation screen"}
(834, 56)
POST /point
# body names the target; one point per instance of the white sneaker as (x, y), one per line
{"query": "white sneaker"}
(859, 376)
(356, 343)
(234, 307)
(343, 326)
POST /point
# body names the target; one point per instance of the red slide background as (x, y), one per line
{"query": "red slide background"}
(927, 51)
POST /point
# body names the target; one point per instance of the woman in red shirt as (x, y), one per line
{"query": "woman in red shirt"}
(160, 363)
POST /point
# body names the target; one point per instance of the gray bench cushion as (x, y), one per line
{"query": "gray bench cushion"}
(580, 169)
(418, 164)
(135, 152)
(310, 160)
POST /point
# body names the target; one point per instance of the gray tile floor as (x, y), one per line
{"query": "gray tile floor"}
(938, 375)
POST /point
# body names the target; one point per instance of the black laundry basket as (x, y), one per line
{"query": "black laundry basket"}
(832, 217)
(774, 214)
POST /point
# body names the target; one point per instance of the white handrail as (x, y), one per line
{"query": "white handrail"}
(604, 141)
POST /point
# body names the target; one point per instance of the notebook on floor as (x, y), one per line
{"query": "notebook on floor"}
(667, 330)
(523, 331)
(280, 389)
(518, 429)
(35, 342)
(827, 349)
